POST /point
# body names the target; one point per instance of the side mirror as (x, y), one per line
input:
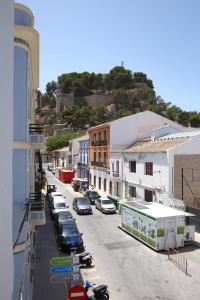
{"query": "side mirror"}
(65, 197)
(67, 206)
(81, 234)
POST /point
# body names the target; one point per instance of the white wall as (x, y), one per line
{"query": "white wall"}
(159, 180)
(190, 147)
(125, 131)
(103, 175)
(6, 140)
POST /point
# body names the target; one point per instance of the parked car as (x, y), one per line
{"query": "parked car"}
(55, 195)
(63, 217)
(91, 196)
(105, 205)
(82, 206)
(57, 207)
(69, 238)
(79, 184)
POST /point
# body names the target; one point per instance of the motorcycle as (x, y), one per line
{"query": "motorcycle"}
(100, 292)
(85, 259)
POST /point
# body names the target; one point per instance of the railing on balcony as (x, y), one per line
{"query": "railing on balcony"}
(99, 143)
(37, 201)
(115, 173)
(101, 164)
(80, 164)
(36, 129)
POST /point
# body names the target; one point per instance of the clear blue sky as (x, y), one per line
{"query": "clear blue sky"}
(158, 37)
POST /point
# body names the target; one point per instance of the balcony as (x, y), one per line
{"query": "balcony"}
(36, 129)
(99, 143)
(115, 174)
(36, 132)
(80, 164)
(37, 209)
(101, 164)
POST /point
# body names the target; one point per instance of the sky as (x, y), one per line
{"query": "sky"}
(158, 37)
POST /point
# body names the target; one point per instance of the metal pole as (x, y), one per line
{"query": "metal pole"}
(182, 183)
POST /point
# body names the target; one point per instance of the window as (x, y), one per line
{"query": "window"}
(110, 188)
(104, 156)
(95, 179)
(94, 137)
(117, 167)
(149, 168)
(148, 195)
(99, 156)
(99, 183)
(105, 135)
(132, 191)
(95, 157)
(99, 135)
(104, 184)
(90, 179)
(132, 166)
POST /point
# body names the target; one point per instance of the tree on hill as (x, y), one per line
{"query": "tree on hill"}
(51, 87)
(56, 142)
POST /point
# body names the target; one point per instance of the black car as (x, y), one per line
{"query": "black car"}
(91, 196)
(69, 238)
(82, 206)
(63, 217)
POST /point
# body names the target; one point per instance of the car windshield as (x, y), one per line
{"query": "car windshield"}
(82, 201)
(70, 229)
(93, 194)
(107, 201)
(64, 217)
(56, 194)
(60, 205)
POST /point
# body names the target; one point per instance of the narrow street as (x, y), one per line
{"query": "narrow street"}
(131, 269)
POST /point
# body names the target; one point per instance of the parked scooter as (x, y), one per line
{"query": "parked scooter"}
(85, 259)
(100, 292)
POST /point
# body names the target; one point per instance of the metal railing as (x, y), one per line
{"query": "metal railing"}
(80, 164)
(178, 259)
(37, 201)
(36, 128)
(115, 173)
(101, 164)
(99, 143)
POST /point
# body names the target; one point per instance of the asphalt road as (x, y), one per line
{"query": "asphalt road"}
(130, 268)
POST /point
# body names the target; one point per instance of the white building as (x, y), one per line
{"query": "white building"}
(148, 165)
(121, 133)
(6, 140)
(20, 141)
(74, 149)
(60, 158)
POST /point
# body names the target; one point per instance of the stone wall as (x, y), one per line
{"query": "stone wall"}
(64, 100)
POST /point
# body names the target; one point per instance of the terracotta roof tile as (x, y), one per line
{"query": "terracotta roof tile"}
(155, 146)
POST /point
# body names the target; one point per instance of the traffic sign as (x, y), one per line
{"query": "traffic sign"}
(77, 292)
(64, 269)
(62, 278)
(64, 260)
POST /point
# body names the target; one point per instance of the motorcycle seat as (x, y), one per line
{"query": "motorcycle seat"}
(100, 288)
(83, 254)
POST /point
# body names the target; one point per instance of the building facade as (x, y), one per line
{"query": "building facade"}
(6, 142)
(83, 164)
(27, 177)
(107, 141)
(60, 158)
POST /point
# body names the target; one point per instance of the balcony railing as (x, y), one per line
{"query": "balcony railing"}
(37, 202)
(80, 164)
(115, 173)
(38, 216)
(101, 164)
(99, 143)
(35, 129)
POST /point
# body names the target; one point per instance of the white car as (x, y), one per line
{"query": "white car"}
(105, 205)
(56, 196)
(58, 206)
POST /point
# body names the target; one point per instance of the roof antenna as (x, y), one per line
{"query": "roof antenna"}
(122, 64)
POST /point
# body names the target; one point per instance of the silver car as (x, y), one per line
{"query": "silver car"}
(105, 205)
(58, 207)
(82, 206)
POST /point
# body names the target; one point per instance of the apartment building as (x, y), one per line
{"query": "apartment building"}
(83, 164)
(27, 175)
(107, 141)
(164, 169)
(6, 141)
